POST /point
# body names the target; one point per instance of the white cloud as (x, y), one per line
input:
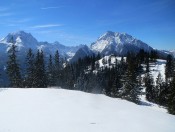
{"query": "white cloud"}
(46, 26)
(11, 25)
(46, 32)
(5, 14)
(2, 9)
(52, 7)
(22, 20)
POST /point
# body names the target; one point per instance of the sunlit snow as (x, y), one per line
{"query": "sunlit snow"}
(58, 110)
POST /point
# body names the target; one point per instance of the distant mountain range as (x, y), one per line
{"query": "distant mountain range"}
(24, 41)
(117, 43)
(108, 43)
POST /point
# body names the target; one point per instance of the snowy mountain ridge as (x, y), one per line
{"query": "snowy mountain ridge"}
(24, 41)
(107, 44)
(120, 38)
(118, 43)
(114, 43)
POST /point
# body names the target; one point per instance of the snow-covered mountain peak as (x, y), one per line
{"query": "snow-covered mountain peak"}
(20, 33)
(118, 43)
(107, 34)
(117, 37)
(20, 38)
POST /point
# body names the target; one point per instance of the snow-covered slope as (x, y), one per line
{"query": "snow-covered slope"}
(106, 60)
(158, 67)
(53, 110)
(118, 43)
(155, 67)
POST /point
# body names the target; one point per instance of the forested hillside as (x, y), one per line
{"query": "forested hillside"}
(119, 77)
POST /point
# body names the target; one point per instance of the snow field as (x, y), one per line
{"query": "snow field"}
(53, 110)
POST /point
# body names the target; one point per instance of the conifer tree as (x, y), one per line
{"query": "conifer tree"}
(117, 80)
(149, 84)
(92, 63)
(109, 60)
(13, 69)
(98, 57)
(29, 77)
(109, 81)
(169, 68)
(153, 55)
(131, 88)
(104, 61)
(171, 97)
(71, 77)
(147, 64)
(57, 68)
(50, 72)
(171, 100)
(40, 80)
(141, 55)
(97, 65)
(158, 88)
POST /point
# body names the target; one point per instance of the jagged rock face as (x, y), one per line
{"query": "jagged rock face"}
(118, 43)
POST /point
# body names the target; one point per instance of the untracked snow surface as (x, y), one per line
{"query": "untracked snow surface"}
(58, 110)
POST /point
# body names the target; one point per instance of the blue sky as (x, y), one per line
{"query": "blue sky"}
(73, 22)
